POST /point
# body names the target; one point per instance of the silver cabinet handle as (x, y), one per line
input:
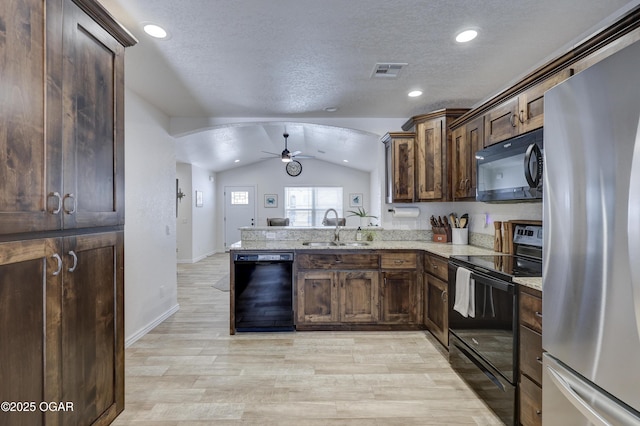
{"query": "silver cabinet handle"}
(56, 256)
(74, 206)
(75, 261)
(59, 197)
(443, 296)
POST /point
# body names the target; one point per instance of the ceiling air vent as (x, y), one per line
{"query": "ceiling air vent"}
(388, 70)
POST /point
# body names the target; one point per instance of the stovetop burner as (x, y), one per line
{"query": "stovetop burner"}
(505, 264)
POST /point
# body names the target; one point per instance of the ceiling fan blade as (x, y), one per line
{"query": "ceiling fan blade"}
(272, 153)
(294, 153)
(303, 156)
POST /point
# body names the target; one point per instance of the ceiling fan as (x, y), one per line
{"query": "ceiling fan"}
(286, 156)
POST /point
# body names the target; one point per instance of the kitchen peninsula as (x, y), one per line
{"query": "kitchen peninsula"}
(391, 283)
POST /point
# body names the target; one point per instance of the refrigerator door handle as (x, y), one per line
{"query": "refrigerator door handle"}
(572, 389)
(567, 390)
(633, 228)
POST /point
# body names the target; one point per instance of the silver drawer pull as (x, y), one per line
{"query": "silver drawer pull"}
(539, 359)
(538, 314)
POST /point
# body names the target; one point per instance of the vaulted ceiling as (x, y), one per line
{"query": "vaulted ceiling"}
(258, 66)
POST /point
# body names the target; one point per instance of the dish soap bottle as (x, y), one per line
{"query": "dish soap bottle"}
(359, 234)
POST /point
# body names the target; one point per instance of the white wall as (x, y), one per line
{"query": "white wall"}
(150, 229)
(270, 177)
(196, 225)
(203, 218)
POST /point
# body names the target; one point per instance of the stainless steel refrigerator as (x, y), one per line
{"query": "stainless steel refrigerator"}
(591, 254)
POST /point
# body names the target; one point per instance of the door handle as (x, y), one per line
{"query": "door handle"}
(59, 206)
(74, 206)
(56, 256)
(533, 180)
(75, 261)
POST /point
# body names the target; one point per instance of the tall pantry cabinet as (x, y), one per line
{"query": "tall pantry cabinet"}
(61, 210)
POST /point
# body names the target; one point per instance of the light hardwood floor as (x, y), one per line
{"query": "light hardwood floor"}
(190, 371)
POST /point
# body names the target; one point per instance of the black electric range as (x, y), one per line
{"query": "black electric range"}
(526, 262)
(501, 266)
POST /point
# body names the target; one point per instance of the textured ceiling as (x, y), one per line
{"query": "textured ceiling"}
(286, 60)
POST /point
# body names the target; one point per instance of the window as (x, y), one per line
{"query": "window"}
(305, 206)
(239, 197)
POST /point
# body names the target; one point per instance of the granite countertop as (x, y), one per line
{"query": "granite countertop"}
(441, 249)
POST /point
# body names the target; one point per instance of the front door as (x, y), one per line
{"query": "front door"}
(239, 211)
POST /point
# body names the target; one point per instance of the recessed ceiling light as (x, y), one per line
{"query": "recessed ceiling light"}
(236, 161)
(346, 161)
(331, 109)
(155, 31)
(415, 93)
(466, 36)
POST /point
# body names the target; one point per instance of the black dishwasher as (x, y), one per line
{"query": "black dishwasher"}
(263, 291)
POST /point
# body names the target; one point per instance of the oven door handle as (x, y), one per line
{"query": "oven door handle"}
(482, 368)
(492, 282)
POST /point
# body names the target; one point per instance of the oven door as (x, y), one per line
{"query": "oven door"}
(497, 392)
(491, 332)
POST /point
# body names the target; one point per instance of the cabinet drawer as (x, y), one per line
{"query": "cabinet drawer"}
(400, 260)
(437, 266)
(530, 402)
(531, 354)
(337, 261)
(531, 311)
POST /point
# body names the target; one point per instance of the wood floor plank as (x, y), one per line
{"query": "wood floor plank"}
(189, 371)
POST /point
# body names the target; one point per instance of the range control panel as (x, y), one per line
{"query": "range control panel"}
(530, 235)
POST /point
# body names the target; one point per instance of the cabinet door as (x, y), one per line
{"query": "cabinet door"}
(30, 283)
(400, 298)
(436, 313)
(317, 296)
(430, 153)
(461, 162)
(29, 155)
(501, 122)
(92, 327)
(403, 170)
(531, 102)
(359, 293)
(93, 100)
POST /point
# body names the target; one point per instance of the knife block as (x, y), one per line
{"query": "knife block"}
(497, 240)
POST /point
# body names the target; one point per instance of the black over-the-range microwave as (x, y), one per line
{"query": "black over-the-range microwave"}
(511, 170)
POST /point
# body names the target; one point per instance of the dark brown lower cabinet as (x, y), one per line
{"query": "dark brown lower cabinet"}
(29, 322)
(61, 328)
(436, 306)
(400, 298)
(92, 334)
(436, 316)
(530, 384)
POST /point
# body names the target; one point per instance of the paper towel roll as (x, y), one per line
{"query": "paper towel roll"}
(405, 212)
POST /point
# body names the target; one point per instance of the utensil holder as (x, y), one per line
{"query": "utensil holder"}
(460, 236)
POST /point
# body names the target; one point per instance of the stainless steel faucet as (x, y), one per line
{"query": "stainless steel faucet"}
(336, 234)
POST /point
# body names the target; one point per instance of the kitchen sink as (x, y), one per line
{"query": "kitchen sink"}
(355, 244)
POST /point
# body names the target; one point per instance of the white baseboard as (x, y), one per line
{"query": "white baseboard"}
(131, 340)
(197, 259)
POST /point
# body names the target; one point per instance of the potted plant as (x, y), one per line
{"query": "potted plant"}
(364, 216)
